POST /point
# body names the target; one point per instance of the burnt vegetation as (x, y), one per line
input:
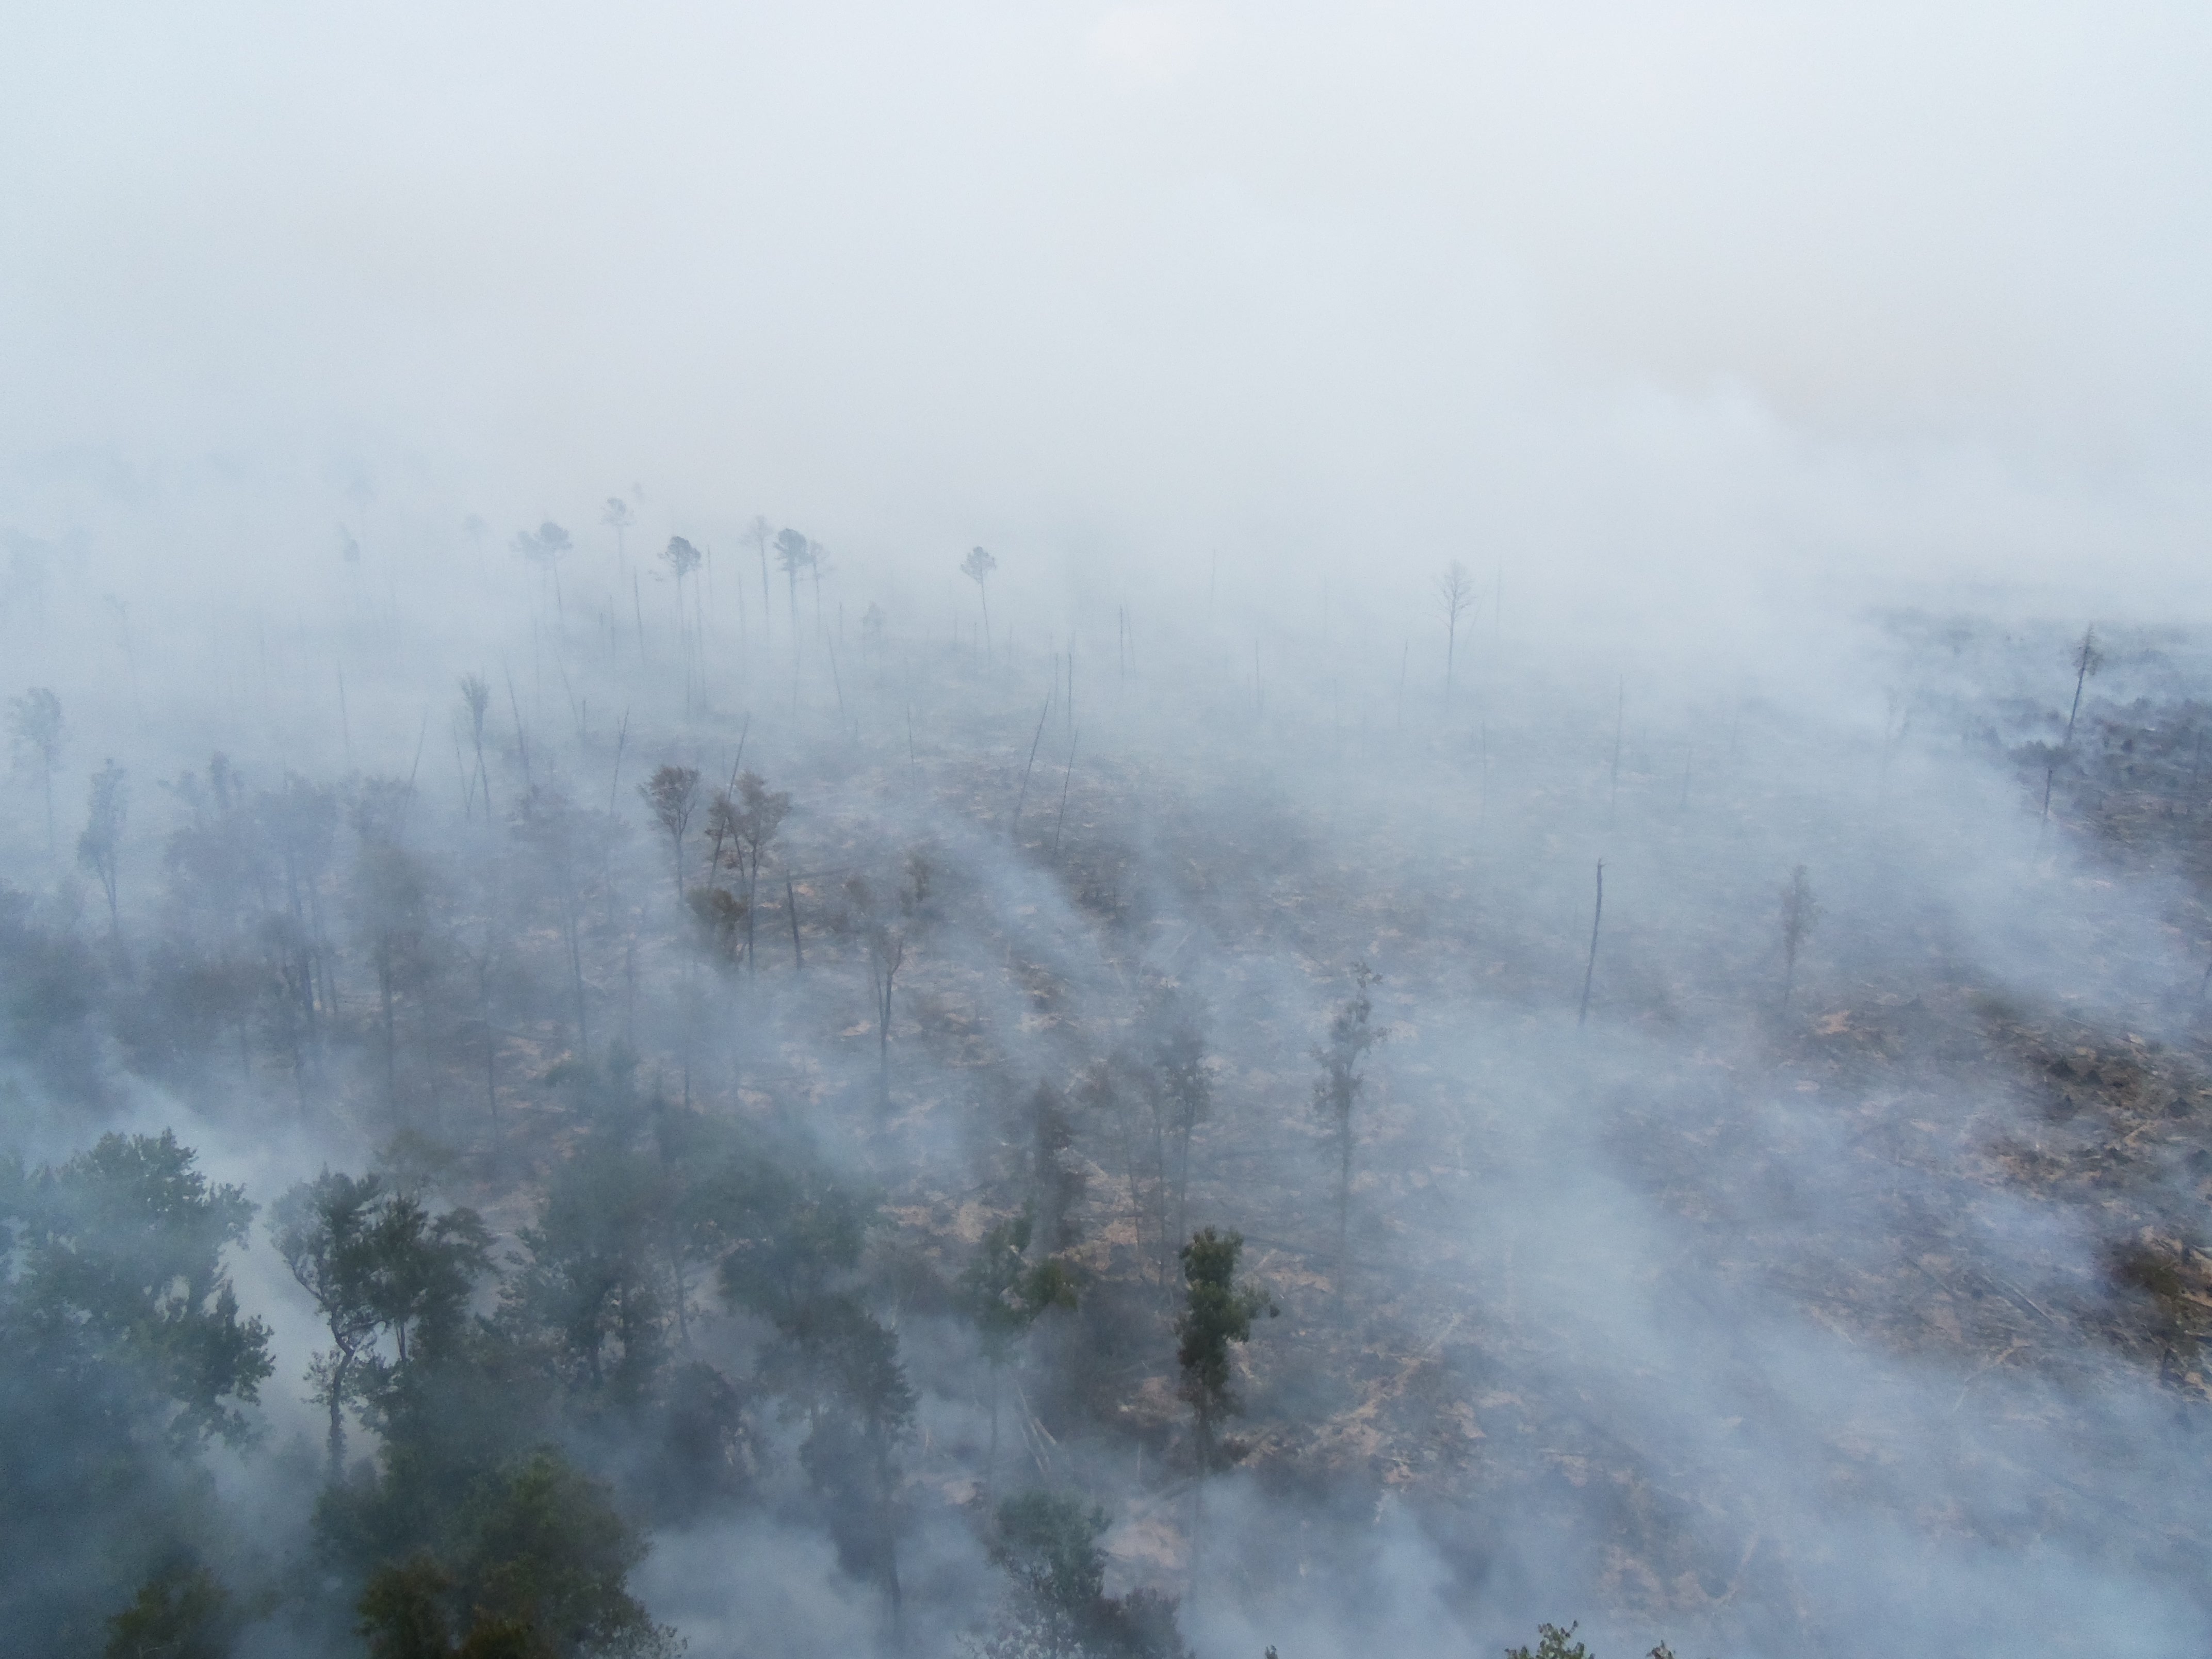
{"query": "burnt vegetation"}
(772, 1115)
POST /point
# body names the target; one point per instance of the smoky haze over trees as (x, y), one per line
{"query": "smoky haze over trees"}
(1525, 969)
(920, 1271)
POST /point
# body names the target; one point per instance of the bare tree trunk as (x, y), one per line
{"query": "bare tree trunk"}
(1014, 831)
(1590, 969)
(336, 1443)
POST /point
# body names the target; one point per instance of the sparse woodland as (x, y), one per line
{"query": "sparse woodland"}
(1060, 1153)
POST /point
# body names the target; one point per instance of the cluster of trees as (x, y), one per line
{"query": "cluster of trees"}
(699, 1315)
(530, 1411)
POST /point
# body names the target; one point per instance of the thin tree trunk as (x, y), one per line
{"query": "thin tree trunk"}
(1590, 968)
(1067, 778)
(337, 1440)
(1014, 831)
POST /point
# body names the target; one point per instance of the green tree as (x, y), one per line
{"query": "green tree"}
(794, 1248)
(425, 1268)
(122, 1354)
(594, 1282)
(1217, 1312)
(1047, 1543)
(1552, 1643)
(180, 1612)
(324, 1230)
(126, 1241)
(537, 1563)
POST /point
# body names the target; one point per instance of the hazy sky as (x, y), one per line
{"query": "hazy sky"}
(1625, 288)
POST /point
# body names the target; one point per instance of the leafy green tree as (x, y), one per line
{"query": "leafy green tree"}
(794, 1243)
(865, 1414)
(122, 1354)
(1047, 1543)
(180, 1612)
(1552, 1643)
(125, 1241)
(325, 1230)
(377, 1264)
(425, 1269)
(1217, 1312)
(594, 1280)
(536, 1564)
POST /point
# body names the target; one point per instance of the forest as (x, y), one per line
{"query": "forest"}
(614, 1093)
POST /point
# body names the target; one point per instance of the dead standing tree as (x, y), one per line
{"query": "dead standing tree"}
(760, 535)
(1180, 1088)
(885, 926)
(1589, 968)
(1014, 831)
(34, 726)
(617, 516)
(2087, 659)
(1336, 1092)
(545, 547)
(682, 559)
(794, 553)
(1800, 915)
(99, 848)
(977, 568)
(476, 698)
(1454, 597)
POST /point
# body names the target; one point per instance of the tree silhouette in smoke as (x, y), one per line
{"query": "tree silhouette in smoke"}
(977, 568)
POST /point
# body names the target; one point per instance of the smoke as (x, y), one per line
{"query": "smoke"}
(1795, 387)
